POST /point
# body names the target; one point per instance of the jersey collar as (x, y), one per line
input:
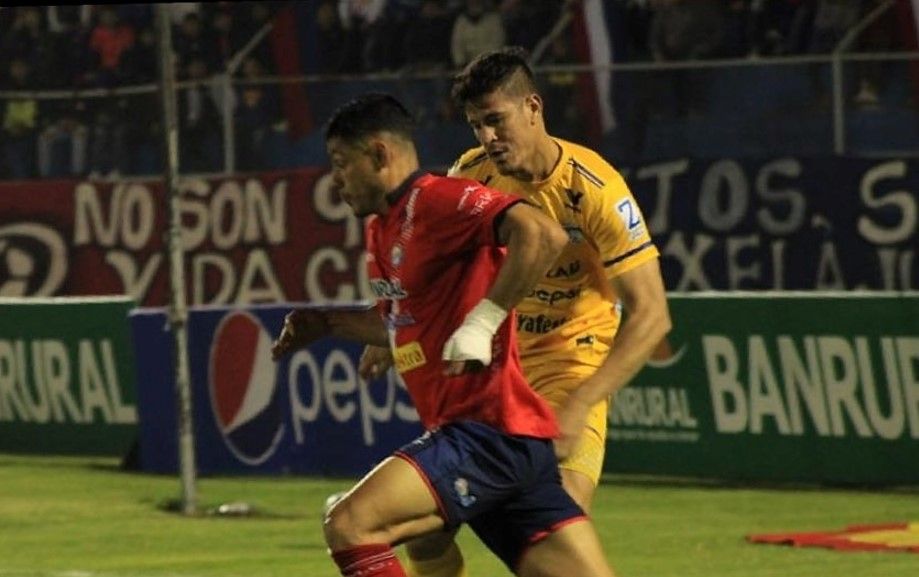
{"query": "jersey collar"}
(393, 197)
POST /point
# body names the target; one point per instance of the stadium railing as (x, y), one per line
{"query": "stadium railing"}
(839, 104)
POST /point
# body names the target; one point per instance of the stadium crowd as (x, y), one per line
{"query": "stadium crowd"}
(106, 46)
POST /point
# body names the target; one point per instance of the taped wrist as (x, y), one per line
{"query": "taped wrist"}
(487, 315)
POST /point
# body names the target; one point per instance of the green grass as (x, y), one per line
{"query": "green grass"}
(68, 517)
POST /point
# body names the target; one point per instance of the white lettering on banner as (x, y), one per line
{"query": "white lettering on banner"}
(836, 382)
(38, 386)
(690, 259)
(829, 271)
(901, 201)
(797, 203)
(726, 205)
(336, 388)
(652, 407)
(332, 208)
(135, 284)
(336, 258)
(736, 202)
(737, 272)
(665, 173)
(229, 216)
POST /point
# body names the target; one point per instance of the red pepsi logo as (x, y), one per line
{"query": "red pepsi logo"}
(243, 388)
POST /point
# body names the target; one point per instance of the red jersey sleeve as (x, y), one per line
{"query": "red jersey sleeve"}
(473, 211)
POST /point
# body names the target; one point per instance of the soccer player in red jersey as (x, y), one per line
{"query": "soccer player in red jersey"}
(448, 258)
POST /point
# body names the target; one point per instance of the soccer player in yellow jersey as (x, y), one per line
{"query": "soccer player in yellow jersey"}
(593, 321)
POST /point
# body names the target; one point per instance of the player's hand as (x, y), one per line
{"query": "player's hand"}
(375, 361)
(572, 418)
(301, 327)
(469, 347)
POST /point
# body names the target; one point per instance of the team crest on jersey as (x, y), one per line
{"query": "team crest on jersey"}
(575, 234)
(461, 486)
(396, 255)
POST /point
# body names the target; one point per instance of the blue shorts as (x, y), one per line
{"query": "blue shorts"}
(507, 488)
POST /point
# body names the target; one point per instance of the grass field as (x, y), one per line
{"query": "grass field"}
(67, 517)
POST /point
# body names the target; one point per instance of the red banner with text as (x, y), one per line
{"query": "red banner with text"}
(274, 237)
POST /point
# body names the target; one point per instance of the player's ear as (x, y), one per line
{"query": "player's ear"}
(378, 153)
(534, 107)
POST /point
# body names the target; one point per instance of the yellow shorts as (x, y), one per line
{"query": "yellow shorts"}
(554, 382)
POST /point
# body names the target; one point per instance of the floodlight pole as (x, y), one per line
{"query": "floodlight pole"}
(178, 311)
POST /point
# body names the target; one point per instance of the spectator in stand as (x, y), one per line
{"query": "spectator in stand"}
(199, 121)
(478, 29)
(107, 151)
(24, 37)
(248, 19)
(830, 21)
(360, 20)
(258, 111)
(769, 27)
(189, 42)
(332, 42)
(140, 61)
(20, 124)
(426, 43)
(527, 23)
(563, 112)
(69, 28)
(64, 19)
(109, 41)
(66, 132)
(179, 10)
(687, 30)
(221, 38)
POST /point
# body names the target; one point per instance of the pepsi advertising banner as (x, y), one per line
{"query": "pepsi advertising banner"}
(308, 414)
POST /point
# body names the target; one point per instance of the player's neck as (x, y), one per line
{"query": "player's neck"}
(396, 177)
(546, 156)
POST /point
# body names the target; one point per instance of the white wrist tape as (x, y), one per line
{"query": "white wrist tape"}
(472, 341)
(487, 315)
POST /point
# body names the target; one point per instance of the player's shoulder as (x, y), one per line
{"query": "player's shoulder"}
(470, 161)
(589, 165)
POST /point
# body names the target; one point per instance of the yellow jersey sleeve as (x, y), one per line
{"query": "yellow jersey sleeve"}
(467, 165)
(614, 223)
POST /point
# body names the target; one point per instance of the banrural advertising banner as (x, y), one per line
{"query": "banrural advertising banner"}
(309, 413)
(779, 224)
(785, 387)
(66, 376)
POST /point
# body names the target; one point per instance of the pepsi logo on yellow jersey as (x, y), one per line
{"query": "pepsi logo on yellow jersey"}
(592, 202)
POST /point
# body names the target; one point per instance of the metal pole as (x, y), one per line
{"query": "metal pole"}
(178, 312)
(229, 124)
(229, 99)
(839, 113)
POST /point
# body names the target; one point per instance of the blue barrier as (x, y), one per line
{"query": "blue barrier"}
(308, 414)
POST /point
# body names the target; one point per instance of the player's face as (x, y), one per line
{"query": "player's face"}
(355, 176)
(505, 125)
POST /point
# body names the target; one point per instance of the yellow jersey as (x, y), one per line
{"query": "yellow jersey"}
(572, 315)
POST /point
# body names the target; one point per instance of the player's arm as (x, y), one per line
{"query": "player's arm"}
(534, 242)
(303, 326)
(646, 321)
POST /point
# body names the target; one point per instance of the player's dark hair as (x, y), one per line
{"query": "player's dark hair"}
(370, 114)
(506, 68)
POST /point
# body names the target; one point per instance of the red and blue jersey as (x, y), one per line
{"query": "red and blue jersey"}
(431, 259)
